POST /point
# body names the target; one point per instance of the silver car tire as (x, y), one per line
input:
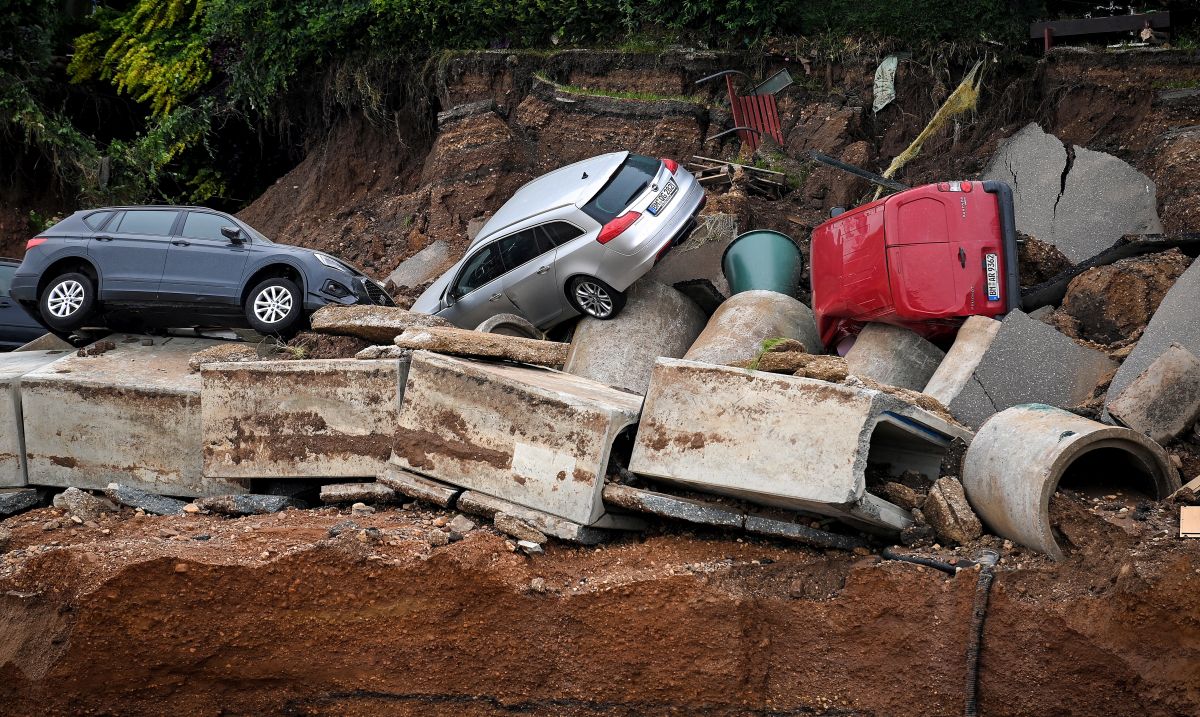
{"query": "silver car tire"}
(67, 301)
(274, 307)
(594, 298)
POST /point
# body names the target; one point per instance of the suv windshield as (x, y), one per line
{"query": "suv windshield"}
(626, 184)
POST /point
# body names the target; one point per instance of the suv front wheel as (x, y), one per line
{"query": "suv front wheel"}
(67, 301)
(274, 307)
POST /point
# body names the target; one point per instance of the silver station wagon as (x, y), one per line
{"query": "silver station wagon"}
(570, 242)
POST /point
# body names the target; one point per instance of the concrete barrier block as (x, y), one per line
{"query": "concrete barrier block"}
(784, 441)
(13, 366)
(535, 437)
(320, 418)
(1025, 361)
(656, 321)
(1164, 400)
(740, 325)
(893, 355)
(129, 414)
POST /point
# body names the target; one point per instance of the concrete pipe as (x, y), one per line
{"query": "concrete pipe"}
(740, 325)
(1020, 455)
(657, 321)
(510, 325)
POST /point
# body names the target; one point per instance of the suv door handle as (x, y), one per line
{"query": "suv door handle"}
(103, 238)
(543, 269)
(180, 242)
(496, 296)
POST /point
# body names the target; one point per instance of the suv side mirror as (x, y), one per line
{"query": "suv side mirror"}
(233, 234)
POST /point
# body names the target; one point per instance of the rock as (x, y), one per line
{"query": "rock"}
(390, 351)
(381, 324)
(370, 535)
(342, 526)
(529, 547)
(901, 495)
(461, 524)
(1077, 200)
(5, 539)
(517, 528)
(538, 585)
(441, 521)
(16, 500)
(426, 265)
(81, 504)
(438, 538)
(462, 342)
(142, 500)
(234, 352)
(242, 505)
(192, 508)
(361, 509)
(357, 493)
(949, 514)
(1164, 400)
(1111, 303)
(824, 368)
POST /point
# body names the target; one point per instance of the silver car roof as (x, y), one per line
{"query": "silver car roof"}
(562, 187)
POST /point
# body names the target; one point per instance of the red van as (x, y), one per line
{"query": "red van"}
(925, 258)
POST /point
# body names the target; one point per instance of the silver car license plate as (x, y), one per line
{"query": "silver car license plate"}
(991, 263)
(663, 198)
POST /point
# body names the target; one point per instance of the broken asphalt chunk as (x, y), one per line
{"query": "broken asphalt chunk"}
(995, 365)
(139, 499)
(1164, 400)
(242, 505)
(16, 500)
(81, 504)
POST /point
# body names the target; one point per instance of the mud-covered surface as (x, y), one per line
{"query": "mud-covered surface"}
(198, 614)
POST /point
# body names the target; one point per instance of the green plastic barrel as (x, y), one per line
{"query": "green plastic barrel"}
(762, 259)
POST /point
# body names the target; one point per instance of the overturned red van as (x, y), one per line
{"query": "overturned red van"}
(925, 258)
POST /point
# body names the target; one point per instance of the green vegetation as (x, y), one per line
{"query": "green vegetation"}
(202, 88)
(616, 94)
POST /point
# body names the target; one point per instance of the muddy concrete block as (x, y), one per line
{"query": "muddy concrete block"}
(319, 418)
(373, 323)
(242, 505)
(12, 430)
(1173, 322)
(145, 501)
(893, 355)
(533, 436)
(418, 487)
(422, 267)
(15, 500)
(784, 441)
(671, 506)
(1164, 400)
(357, 493)
(1025, 361)
(738, 328)
(1019, 456)
(1076, 199)
(656, 321)
(227, 352)
(462, 342)
(948, 512)
(129, 415)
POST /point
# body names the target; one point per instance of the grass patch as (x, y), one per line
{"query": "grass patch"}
(1180, 84)
(618, 94)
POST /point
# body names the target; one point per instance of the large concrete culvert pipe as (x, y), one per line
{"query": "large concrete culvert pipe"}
(1020, 455)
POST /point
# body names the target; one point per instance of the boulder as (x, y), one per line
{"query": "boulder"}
(948, 512)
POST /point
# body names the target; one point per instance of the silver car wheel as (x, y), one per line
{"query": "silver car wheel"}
(66, 298)
(273, 304)
(593, 299)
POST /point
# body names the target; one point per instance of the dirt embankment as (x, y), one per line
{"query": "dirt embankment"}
(271, 615)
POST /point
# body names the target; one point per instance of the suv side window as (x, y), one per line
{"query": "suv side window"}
(202, 225)
(6, 275)
(95, 220)
(559, 233)
(148, 221)
(483, 266)
(524, 246)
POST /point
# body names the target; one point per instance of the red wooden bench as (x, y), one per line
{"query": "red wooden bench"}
(754, 114)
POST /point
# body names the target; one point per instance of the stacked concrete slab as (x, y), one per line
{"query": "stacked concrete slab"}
(535, 437)
(996, 365)
(129, 415)
(1080, 201)
(13, 366)
(300, 419)
(656, 321)
(784, 441)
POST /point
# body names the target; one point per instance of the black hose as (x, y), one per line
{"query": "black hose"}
(983, 587)
(889, 554)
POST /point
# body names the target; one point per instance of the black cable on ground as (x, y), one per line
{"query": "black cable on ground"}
(889, 554)
(983, 587)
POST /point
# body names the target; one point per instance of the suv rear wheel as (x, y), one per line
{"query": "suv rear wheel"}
(274, 306)
(67, 301)
(594, 298)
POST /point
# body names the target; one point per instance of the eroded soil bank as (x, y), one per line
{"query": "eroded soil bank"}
(271, 615)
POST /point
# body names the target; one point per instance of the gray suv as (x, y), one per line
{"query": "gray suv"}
(178, 266)
(570, 242)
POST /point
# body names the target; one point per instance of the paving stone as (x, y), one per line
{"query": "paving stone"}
(148, 502)
(481, 504)
(1076, 199)
(1164, 400)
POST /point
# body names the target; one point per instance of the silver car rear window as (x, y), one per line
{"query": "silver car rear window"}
(625, 185)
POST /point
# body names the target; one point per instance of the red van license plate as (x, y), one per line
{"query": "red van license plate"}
(991, 263)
